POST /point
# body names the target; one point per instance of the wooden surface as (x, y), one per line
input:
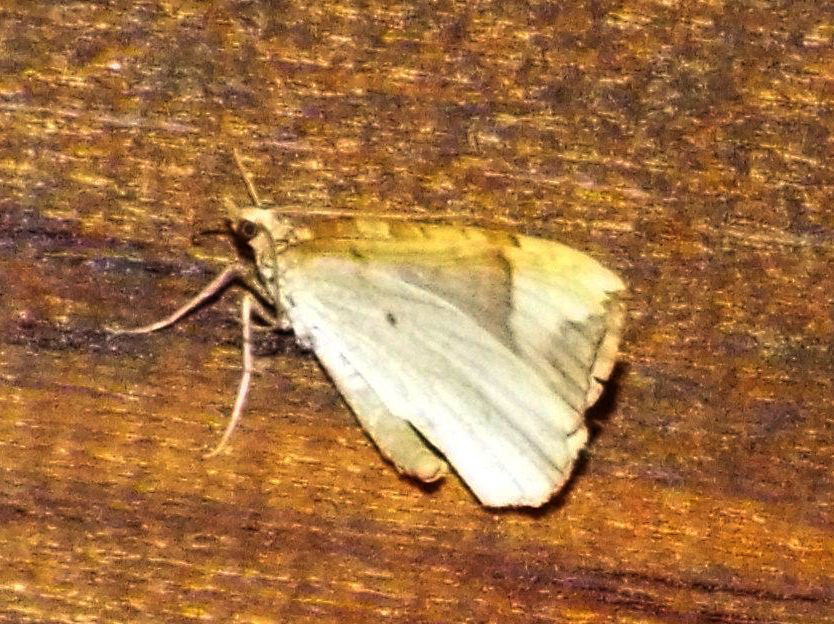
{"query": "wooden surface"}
(689, 149)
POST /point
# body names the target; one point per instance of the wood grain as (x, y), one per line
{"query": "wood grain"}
(689, 147)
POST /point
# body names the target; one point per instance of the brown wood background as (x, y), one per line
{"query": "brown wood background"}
(690, 149)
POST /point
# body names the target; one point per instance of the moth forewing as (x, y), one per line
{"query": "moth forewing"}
(497, 383)
(480, 346)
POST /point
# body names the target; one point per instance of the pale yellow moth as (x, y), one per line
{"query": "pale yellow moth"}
(478, 346)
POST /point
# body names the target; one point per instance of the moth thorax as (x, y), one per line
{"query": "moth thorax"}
(266, 270)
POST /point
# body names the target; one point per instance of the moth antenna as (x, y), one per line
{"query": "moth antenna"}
(391, 216)
(250, 186)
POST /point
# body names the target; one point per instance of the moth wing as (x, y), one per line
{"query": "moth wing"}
(394, 437)
(567, 317)
(466, 342)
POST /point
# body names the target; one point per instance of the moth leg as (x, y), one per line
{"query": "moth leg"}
(271, 320)
(217, 285)
(246, 377)
(395, 438)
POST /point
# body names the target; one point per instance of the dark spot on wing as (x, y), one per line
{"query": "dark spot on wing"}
(392, 320)
(356, 253)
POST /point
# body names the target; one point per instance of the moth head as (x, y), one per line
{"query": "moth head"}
(260, 227)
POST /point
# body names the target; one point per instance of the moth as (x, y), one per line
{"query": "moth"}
(450, 343)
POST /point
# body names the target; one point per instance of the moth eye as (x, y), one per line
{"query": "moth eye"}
(247, 230)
